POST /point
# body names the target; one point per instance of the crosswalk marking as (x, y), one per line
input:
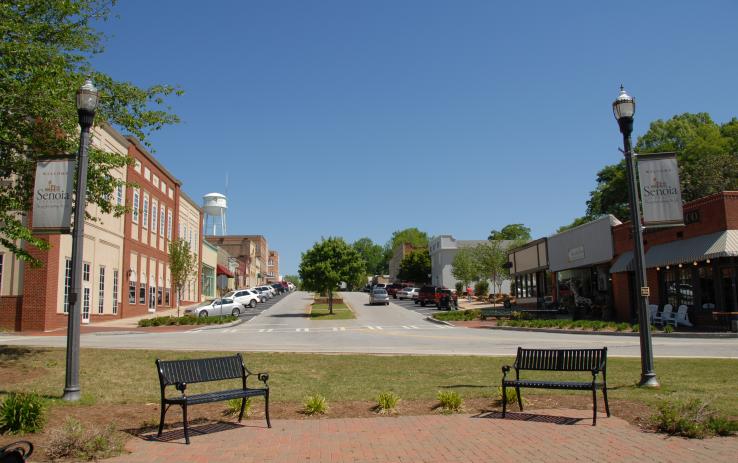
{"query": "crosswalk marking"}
(371, 328)
(379, 328)
(270, 330)
(335, 329)
(414, 327)
(262, 330)
(343, 329)
(406, 327)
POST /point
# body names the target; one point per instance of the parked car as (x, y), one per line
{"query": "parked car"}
(432, 295)
(268, 290)
(407, 293)
(263, 295)
(291, 286)
(216, 307)
(379, 296)
(278, 288)
(367, 289)
(245, 297)
(393, 288)
(379, 285)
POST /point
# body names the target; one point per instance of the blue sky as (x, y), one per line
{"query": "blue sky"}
(359, 118)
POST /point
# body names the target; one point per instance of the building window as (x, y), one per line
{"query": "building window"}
(159, 295)
(142, 293)
(184, 235)
(86, 305)
(136, 199)
(167, 292)
(137, 166)
(154, 215)
(707, 286)
(132, 291)
(1, 272)
(119, 195)
(208, 281)
(152, 297)
(161, 221)
(677, 284)
(101, 291)
(146, 211)
(67, 283)
(86, 271)
(115, 292)
(169, 225)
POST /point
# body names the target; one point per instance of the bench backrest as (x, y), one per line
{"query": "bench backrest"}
(561, 359)
(199, 370)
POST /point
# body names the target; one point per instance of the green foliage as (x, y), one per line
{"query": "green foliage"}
(458, 315)
(511, 394)
(512, 232)
(186, 320)
(182, 265)
(465, 267)
(449, 401)
(491, 258)
(373, 255)
(73, 442)
(387, 402)
(328, 263)
(415, 266)
(693, 419)
(521, 320)
(315, 404)
(233, 407)
(481, 288)
(575, 223)
(22, 413)
(44, 58)
(668, 329)
(413, 236)
(459, 288)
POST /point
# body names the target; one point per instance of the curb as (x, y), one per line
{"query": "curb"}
(214, 327)
(439, 322)
(610, 333)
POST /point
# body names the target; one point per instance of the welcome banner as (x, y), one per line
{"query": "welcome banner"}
(661, 193)
(52, 195)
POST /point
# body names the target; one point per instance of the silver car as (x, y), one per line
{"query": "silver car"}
(215, 308)
(379, 296)
(407, 293)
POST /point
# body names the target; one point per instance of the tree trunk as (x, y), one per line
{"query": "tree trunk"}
(178, 304)
(330, 301)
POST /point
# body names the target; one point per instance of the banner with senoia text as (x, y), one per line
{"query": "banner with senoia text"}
(661, 193)
(52, 195)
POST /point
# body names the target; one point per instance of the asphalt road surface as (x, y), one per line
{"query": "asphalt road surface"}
(392, 329)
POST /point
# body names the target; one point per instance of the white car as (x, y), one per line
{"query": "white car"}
(262, 295)
(268, 289)
(407, 293)
(216, 307)
(245, 297)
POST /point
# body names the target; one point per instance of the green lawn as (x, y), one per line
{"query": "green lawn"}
(340, 312)
(129, 376)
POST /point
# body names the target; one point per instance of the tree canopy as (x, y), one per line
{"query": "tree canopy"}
(707, 153)
(415, 267)
(44, 58)
(373, 255)
(182, 266)
(512, 232)
(491, 258)
(409, 235)
(327, 264)
(465, 267)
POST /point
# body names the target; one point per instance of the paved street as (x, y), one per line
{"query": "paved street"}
(393, 329)
(260, 307)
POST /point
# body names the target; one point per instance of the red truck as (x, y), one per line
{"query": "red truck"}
(433, 294)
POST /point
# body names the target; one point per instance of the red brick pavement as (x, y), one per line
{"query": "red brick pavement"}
(544, 435)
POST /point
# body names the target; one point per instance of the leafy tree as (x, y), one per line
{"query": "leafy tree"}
(415, 267)
(465, 266)
(182, 266)
(373, 255)
(413, 236)
(512, 232)
(706, 151)
(44, 58)
(327, 264)
(295, 280)
(575, 223)
(491, 258)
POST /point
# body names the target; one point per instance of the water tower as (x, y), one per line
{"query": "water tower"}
(214, 206)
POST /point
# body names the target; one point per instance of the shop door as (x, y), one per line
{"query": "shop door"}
(727, 278)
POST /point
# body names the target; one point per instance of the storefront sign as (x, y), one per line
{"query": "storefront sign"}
(661, 195)
(52, 195)
(645, 291)
(576, 253)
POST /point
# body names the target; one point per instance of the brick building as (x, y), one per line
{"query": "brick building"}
(246, 250)
(272, 273)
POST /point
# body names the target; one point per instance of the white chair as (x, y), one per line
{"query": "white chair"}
(665, 316)
(680, 318)
(653, 309)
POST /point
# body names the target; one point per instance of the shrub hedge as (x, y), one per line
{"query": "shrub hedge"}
(186, 320)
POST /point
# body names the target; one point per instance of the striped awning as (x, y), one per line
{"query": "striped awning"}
(712, 246)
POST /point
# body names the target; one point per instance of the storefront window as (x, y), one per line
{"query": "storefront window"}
(677, 284)
(707, 286)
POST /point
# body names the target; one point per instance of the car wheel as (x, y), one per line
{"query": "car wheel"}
(203, 313)
(386, 303)
(252, 304)
(235, 312)
(394, 297)
(415, 302)
(438, 305)
(422, 303)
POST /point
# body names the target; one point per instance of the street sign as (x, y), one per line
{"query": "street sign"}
(645, 291)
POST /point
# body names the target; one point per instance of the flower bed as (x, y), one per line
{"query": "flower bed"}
(186, 320)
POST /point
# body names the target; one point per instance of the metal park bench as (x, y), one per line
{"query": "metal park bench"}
(180, 373)
(592, 360)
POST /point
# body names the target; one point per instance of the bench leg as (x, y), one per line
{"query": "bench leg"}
(184, 419)
(243, 407)
(607, 405)
(504, 400)
(161, 419)
(266, 408)
(594, 406)
(520, 399)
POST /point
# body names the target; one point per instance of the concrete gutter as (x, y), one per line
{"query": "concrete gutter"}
(611, 333)
(224, 325)
(438, 322)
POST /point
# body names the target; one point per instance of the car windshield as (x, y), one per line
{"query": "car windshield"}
(380, 291)
(230, 294)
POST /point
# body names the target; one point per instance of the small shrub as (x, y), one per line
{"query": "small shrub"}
(481, 289)
(668, 329)
(22, 412)
(315, 404)
(693, 419)
(450, 401)
(233, 407)
(622, 327)
(72, 441)
(459, 287)
(454, 315)
(511, 393)
(185, 320)
(387, 402)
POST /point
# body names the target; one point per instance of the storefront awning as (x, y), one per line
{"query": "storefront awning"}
(712, 246)
(222, 270)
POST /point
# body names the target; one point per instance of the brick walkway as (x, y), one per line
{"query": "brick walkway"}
(548, 435)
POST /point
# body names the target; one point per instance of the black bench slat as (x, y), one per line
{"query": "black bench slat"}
(574, 360)
(180, 373)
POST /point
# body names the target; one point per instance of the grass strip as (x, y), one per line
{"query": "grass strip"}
(340, 312)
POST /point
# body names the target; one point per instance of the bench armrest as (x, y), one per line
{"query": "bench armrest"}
(505, 371)
(263, 377)
(181, 387)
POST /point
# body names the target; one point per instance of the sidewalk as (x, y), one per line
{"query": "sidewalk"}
(544, 435)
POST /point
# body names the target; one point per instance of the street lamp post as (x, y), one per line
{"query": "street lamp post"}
(624, 108)
(87, 98)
